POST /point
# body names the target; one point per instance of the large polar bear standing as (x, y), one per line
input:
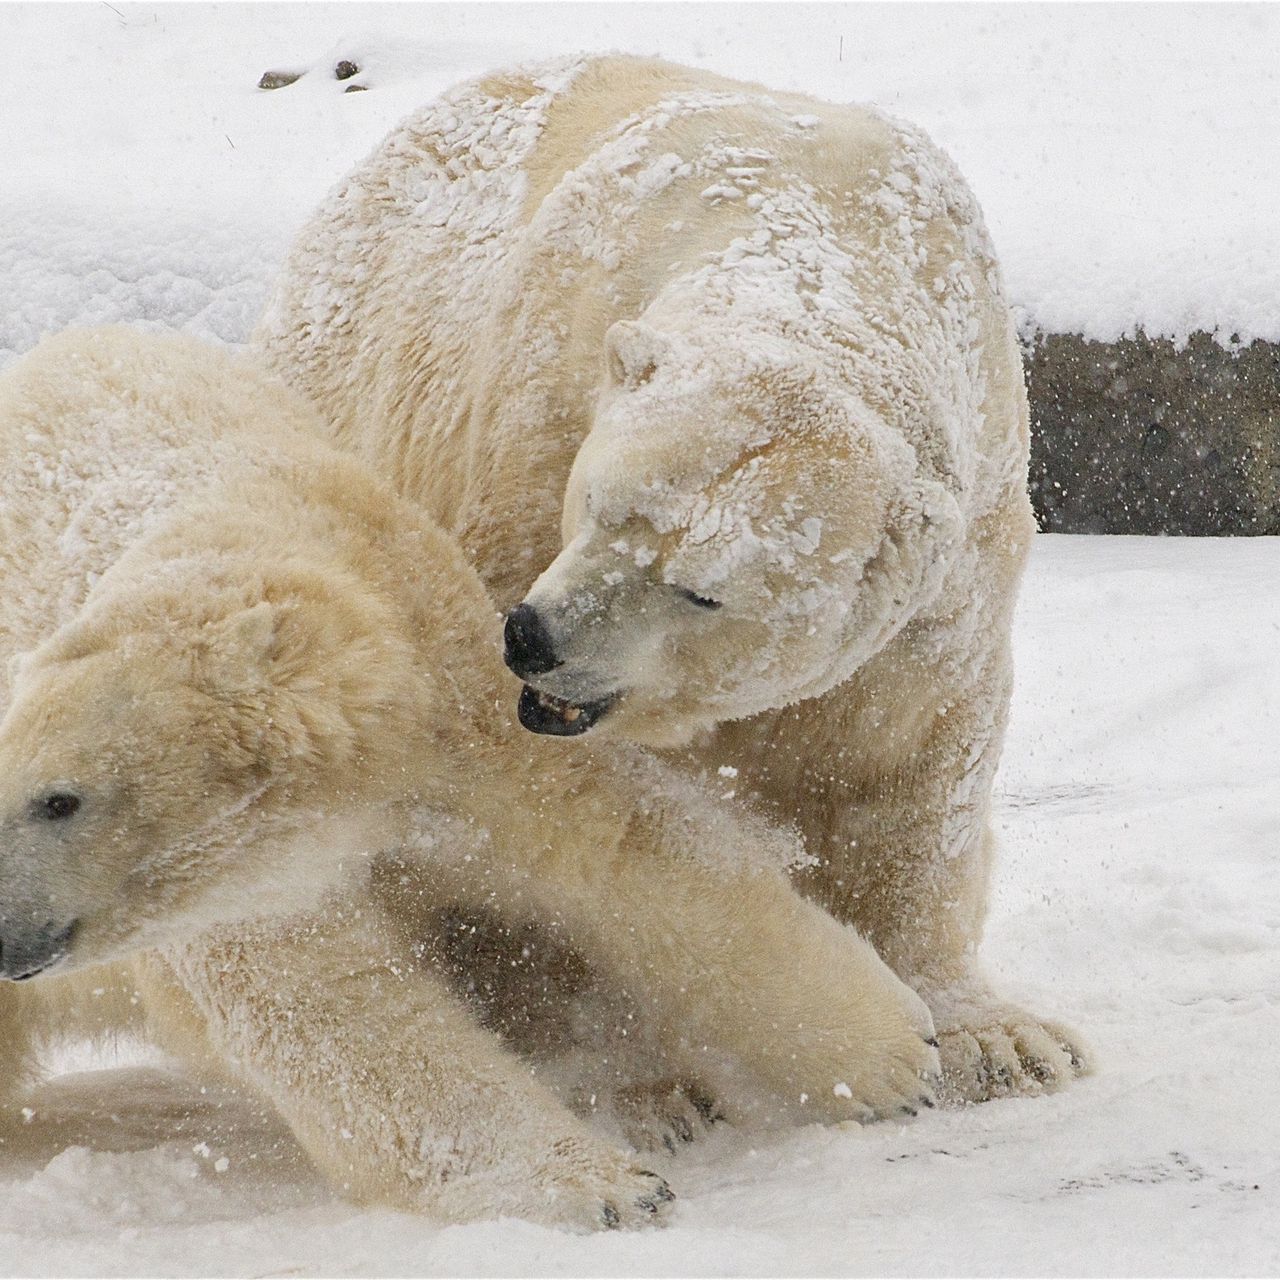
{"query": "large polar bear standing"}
(250, 732)
(719, 390)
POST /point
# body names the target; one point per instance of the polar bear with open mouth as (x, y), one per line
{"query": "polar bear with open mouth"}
(718, 389)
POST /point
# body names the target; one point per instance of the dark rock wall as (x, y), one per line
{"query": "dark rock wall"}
(1142, 436)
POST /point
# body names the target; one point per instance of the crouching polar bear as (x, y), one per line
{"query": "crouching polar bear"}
(718, 390)
(253, 738)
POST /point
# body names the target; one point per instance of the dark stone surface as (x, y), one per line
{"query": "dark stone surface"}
(1142, 436)
(278, 79)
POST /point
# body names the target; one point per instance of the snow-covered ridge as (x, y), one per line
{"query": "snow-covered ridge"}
(1119, 154)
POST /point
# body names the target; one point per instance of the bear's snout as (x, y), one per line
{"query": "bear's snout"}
(529, 649)
(26, 950)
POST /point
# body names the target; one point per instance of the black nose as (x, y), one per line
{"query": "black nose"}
(529, 650)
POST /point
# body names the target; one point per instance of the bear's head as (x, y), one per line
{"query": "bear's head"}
(740, 532)
(177, 756)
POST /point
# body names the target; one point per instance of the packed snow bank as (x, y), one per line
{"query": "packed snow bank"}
(1137, 895)
(1118, 151)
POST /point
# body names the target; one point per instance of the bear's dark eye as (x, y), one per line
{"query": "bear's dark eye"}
(57, 805)
(703, 602)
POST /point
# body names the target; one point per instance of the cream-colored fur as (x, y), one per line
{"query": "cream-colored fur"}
(720, 383)
(274, 691)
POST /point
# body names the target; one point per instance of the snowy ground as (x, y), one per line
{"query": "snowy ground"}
(1137, 895)
(1121, 155)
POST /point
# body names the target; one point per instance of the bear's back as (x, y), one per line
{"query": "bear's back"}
(446, 306)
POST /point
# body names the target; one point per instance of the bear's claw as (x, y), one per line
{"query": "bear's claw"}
(664, 1114)
(911, 1083)
(588, 1185)
(649, 1205)
(1003, 1052)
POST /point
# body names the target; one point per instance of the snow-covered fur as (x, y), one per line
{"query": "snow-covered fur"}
(721, 384)
(255, 741)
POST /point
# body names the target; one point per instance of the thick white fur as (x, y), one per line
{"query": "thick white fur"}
(628, 328)
(275, 686)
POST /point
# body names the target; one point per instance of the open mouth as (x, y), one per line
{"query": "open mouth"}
(37, 970)
(545, 713)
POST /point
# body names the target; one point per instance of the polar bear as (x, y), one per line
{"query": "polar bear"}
(718, 389)
(253, 738)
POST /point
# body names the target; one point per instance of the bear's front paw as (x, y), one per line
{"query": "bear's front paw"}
(593, 1187)
(664, 1114)
(894, 1083)
(994, 1050)
(891, 1071)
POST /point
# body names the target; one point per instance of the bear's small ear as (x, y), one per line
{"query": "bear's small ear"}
(634, 351)
(238, 647)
